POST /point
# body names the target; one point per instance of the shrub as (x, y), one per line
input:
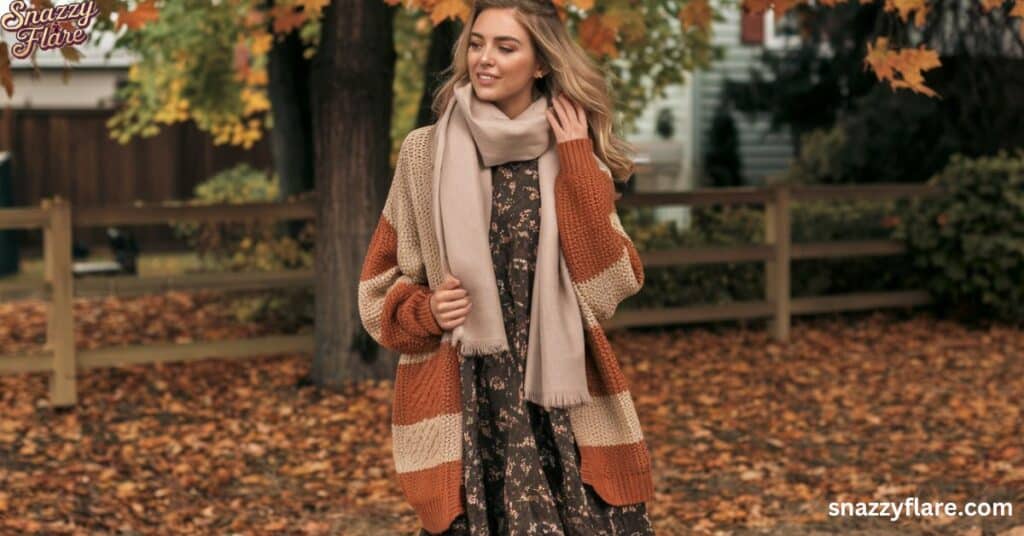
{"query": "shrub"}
(252, 246)
(968, 244)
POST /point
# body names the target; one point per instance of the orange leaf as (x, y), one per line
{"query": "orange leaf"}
(696, 14)
(904, 7)
(989, 5)
(449, 9)
(903, 68)
(597, 34)
(286, 18)
(1018, 11)
(135, 19)
(71, 54)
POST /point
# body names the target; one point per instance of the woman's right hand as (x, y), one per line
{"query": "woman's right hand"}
(450, 303)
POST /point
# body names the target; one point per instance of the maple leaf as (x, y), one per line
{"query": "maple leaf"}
(449, 9)
(6, 78)
(286, 18)
(696, 14)
(905, 7)
(597, 34)
(903, 68)
(143, 14)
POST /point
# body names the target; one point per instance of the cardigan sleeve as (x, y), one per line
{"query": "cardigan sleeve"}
(603, 262)
(394, 299)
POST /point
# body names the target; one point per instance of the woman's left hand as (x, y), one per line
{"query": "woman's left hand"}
(568, 119)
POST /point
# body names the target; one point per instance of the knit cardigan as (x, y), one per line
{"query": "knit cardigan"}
(402, 265)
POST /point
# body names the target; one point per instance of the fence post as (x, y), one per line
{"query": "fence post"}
(60, 328)
(777, 277)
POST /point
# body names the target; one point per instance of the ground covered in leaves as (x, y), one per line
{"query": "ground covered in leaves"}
(747, 436)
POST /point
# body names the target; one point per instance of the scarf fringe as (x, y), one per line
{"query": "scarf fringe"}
(563, 399)
(491, 346)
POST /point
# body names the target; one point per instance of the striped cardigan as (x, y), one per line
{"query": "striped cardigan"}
(402, 266)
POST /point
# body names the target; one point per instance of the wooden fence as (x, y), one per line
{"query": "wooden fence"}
(56, 219)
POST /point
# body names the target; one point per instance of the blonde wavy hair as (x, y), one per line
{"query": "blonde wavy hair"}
(568, 70)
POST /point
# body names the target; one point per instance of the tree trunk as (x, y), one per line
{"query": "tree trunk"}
(439, 57)
(291, 137)
(352, 79)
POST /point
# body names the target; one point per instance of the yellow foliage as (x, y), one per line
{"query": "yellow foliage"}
(902, 68)
(261, 43)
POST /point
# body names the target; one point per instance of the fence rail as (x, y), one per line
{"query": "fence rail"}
(58, 287)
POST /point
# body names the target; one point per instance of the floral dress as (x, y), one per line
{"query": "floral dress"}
(520, 461)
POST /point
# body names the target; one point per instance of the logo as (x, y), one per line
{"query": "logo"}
(51, 27)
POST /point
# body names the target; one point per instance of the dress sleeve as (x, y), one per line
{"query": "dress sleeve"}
(394, 299)
(602, 260)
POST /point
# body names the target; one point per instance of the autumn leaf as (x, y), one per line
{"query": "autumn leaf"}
(696, 14)
(1018, 11)
(449, 9)
(989, 5)
(71, 54)
(585, 5)
(905, 7)
(262, 43)
(902, 68)
(597, 34)
(135, 19)
(286, 18)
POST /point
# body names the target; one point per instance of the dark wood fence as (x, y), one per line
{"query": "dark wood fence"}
(69, 153)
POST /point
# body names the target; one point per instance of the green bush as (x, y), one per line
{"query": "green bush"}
(968, 244)
(252, 245)
(744, 281)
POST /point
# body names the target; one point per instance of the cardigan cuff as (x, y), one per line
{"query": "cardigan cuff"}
(425, 317)
(577, 156)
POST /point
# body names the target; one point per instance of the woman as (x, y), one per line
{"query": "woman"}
(498, 253)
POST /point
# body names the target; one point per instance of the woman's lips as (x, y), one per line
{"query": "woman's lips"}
(486, 81)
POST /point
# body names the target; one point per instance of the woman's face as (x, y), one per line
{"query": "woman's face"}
(500, 46)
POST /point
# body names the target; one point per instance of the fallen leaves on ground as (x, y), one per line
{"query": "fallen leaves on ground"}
(747, 435)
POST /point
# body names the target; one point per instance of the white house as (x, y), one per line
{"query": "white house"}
(677, 164)
(90, 82)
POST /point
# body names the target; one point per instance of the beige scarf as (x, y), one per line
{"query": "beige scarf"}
(471, 136)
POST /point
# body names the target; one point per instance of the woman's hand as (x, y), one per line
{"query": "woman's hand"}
(450, 303)
(568, 119)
